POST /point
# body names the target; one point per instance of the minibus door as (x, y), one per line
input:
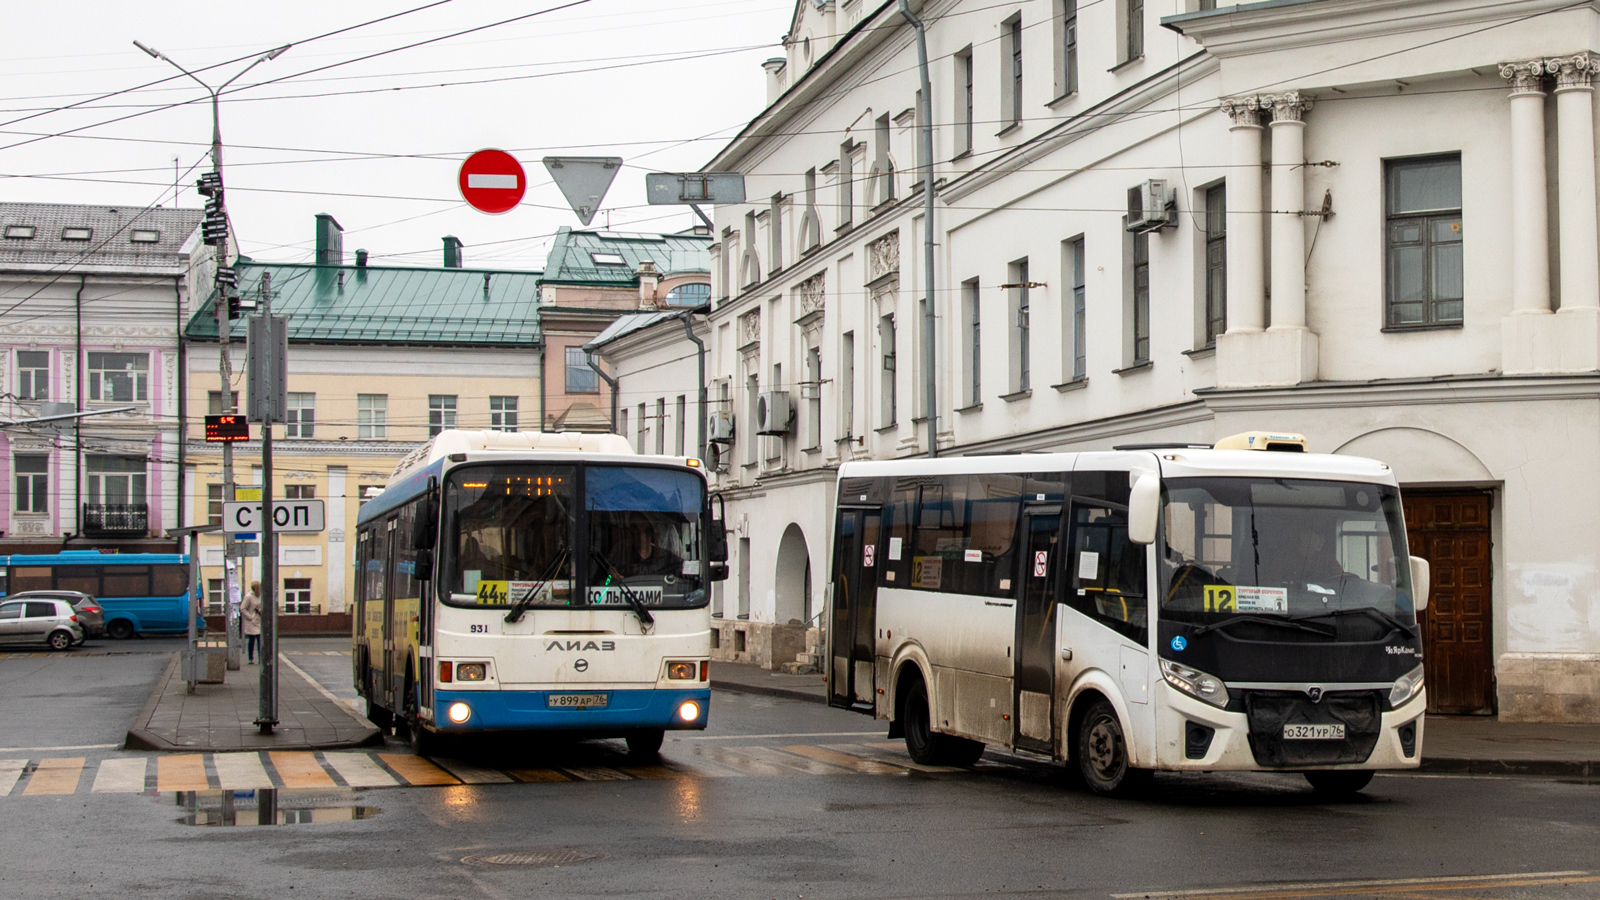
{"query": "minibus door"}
(1036, 627)
(851, 641)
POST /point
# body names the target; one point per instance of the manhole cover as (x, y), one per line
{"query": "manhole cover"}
(536, 858)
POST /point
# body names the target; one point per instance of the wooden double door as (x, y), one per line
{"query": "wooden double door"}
(1451, 531)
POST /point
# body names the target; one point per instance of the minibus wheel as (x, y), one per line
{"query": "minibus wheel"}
(1339, 783)
(1102, 752)
(926, 746)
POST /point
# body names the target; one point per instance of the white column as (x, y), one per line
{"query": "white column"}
(1530, 229)
(1288, 199)
(1575, 162)
(1247, 297)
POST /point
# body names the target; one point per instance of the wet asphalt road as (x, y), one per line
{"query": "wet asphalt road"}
(725, 817)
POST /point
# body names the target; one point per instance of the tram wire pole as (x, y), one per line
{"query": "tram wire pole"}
(267, 714)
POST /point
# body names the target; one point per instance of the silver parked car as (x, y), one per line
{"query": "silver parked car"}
(40, 621)
(91, 615)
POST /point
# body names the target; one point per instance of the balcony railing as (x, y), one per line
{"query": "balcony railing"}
(116, 519)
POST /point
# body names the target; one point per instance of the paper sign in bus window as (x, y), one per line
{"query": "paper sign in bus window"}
(1245, 598)
(894, 549)
(927, 572)
(1088, 566)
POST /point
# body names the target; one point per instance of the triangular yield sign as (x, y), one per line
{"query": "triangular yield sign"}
(583, 180)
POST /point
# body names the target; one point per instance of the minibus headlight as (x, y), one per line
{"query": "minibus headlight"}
(680, 671)
(460, 712)
(1195, 683)
(471, 671)
(1405, 687)
(688, 710)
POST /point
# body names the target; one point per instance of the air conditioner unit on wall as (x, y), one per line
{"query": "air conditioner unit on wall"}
(773, 413)
(1151, 206)
(719, 427)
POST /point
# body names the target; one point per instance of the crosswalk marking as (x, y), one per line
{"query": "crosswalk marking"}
(358, 770)
(416, 770)
(10, 771)
(120, 776)
(55, 776)
(798, 762)
(595, 773)
(471, 774)
(240, 771)
(844, 760)
(182, 772)
(732, 757)
(537, 776)
(300, 769)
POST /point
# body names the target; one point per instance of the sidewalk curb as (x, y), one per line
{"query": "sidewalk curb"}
(787, 693)
(1548, 768)
(137, 737)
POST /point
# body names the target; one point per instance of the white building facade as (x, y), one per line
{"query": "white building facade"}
(1371, 222)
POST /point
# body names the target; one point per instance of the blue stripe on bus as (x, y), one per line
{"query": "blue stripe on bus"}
(519, 710)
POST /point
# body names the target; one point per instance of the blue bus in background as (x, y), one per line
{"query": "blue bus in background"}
(140, 592)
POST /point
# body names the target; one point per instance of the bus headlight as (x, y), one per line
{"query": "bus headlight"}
(1405, 687)
(680, 671)
(1195, 683)
(471, 671)
(460, 712)
(688, 710)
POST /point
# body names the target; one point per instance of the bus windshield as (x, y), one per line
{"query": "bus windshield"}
(644, 535)
(1332, 554)
(511, 536)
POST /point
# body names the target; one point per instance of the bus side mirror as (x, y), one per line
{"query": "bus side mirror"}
(424, 565)
(1144, 508)
(717, 550)
(425, 527)
(1419, 583)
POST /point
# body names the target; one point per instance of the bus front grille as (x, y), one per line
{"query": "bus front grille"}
(1360, 712)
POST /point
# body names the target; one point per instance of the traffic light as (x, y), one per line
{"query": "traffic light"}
(234, 309)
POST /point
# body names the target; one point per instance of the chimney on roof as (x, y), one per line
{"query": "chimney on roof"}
(452, 252)
(361, 259)
(775, 85)
(330, 241)
(649, 282)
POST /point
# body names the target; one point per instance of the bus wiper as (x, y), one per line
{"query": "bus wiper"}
(1266, 619)
(628, 594)
(1378, 614)
(514, 614)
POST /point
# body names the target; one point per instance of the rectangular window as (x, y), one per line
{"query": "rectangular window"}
(886, 380)
(581, 378)
(372, 417)
(1141, 297)
(119, 377)
(1133, 26)
(847, 384)
(775, 232)
(681, 424)
(1011, 69)
(214, 405)
(973, 307)
(1021, 315)
(1216, 263)
(213, 504)
(300, 419)
(811, 390)
(752, 388)
(116, 480)
(884, 189)
(33, 375)
(622, 422)
(643, 436)
(963, 95)
(1080, 310)
(661, 427)
(441, 413)
(1067, 35)
(297, 596)
(33, 483)
(847, 187)
(299, 492)
(1425, 277)
(502, 414)
(214, 596)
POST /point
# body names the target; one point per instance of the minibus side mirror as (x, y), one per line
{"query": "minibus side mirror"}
(717, 550)
(1419, 583)
(1144, 509)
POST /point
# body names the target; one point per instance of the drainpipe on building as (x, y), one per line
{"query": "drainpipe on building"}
(183, 402)
(927, 227)
(542, 418)
(700, 356)
(77, 423)
(588, 355)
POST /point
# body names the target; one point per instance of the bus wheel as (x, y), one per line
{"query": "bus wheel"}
(1102, 752)
(925, 745)
(119, 629)
(645, 744)
(1339, 784)
(60, 640)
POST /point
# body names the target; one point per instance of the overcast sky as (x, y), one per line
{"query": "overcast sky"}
(660, 83)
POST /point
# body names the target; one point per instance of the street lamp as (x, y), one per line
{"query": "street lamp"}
(216, 118)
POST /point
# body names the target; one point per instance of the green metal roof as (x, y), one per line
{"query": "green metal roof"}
(385, 305)
(573, 256)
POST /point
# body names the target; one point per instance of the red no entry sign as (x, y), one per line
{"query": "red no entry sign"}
(492, 181)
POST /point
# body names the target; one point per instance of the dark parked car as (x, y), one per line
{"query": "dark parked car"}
(90, 614)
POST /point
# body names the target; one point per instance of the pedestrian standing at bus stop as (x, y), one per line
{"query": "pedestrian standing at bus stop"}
(250, 620)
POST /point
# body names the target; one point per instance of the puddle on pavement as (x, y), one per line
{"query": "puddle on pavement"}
(269, 806)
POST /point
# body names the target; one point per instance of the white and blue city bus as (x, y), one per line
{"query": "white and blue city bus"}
(1174, 608)
(528, 582)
